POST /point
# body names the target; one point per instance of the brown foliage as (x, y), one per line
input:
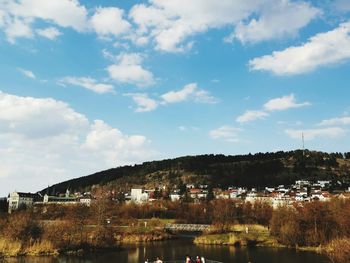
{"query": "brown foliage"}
(339, 250)
(22, 226)
(315, 224)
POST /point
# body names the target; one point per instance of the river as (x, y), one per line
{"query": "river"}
(177, 249)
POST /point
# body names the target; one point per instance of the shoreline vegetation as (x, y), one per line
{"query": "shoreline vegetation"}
(239, 235)
(13, 248)
(322, 227)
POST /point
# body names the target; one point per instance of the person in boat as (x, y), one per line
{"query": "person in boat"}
(202, 260)
(198, 260)
(159, 260)
(146, 260)
(188, 259)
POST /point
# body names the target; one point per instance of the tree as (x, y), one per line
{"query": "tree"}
(120, 197)
(284, 226)
(210, 195)
(23, 226)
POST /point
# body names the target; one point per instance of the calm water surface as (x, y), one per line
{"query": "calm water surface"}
(171, 250)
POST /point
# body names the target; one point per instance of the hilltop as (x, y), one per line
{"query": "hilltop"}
(251, 170)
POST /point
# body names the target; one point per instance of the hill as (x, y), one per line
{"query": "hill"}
(251, 170)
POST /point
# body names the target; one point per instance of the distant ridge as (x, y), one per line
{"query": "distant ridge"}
(250, 170)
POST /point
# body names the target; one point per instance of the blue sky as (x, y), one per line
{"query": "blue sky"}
(90, 85)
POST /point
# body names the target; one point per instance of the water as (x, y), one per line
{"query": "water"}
(177, 249)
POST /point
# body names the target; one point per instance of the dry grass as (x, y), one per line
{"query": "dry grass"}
(251, 228)
(10, 248)
(338, 250)
(255, 228)
(236, 235)
(41, 248)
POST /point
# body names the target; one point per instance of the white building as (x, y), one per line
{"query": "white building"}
(17, 200)
(139, 196)
(323, 184)
(190, 186)
(175, 197)
(301, 196)
(85, 200)
(234, 194)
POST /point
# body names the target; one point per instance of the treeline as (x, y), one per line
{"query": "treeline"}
(27, 232)
(317, 223)
(51, 229)
(223, 212)
(251, 170)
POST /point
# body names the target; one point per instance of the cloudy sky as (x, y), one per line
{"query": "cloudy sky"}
(94, 84)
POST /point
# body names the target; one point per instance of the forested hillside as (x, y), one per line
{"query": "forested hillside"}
(251, 170)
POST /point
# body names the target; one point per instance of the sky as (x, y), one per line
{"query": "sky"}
(87, 85)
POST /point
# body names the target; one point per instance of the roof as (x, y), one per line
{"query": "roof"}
(195, 191)
(29, 195)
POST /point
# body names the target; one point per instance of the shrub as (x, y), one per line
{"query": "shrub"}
(338, 250)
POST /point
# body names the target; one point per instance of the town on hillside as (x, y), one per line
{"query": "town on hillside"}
(294, 195)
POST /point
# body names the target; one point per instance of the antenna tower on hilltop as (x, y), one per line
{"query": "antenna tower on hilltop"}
(302, 138)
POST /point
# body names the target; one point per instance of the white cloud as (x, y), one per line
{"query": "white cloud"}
(188, 92)
(143, 101)
(88, 83)
(17, 28)
(18, 18)
(180, 95)
(187, 128)
(227, 133)
(50, 33)
(277, 20)
(311, 134)
(27, 73)
(322, 49)
(109, 21)
(170, 24)
(2, 18)
(251, 115)
(113, 144)
(44, 141)
(284, 103)
(65, 13)
(37, 118)
(203, 96)
(336, 121)
(128, 69)
(276, 104)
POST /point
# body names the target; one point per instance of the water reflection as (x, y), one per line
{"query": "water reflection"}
(177, 249)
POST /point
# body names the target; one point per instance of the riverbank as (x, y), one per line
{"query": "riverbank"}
(239, 235)
(13, 248)
(176, 249)
(337, 250)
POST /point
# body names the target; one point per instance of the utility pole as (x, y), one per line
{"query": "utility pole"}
(302, 138)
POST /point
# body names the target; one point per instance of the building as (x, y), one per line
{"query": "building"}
(86, 200)
(18, 200)
(139, 196)
(59, 199)
(66, 199)
(194, 192)
(175, 197)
